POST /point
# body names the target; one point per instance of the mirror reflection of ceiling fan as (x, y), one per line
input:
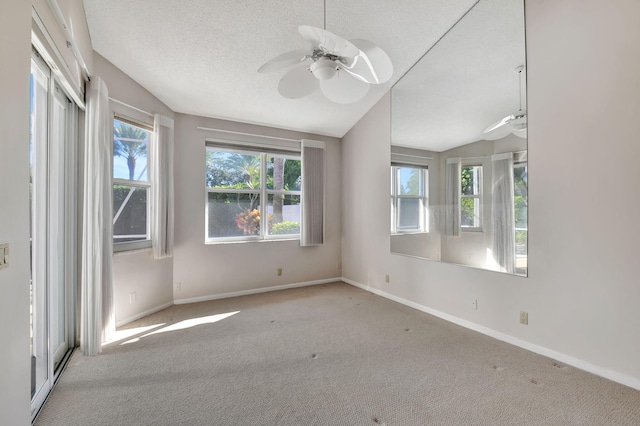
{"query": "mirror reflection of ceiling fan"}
(515, 123)
(342, 69)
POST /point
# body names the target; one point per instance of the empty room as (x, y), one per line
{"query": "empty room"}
(318, 212)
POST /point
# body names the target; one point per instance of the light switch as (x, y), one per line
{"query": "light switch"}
(4, 255)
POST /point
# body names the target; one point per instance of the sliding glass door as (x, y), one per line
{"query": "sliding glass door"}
(53, 147)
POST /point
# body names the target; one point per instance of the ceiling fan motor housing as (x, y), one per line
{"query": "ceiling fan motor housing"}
(324, 69)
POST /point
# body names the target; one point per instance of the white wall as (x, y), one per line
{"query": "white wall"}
(582, 291)
(136, 272)
(14, 211)
(205, 270)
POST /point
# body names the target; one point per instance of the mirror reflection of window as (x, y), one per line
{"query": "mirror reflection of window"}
(471, 198)
(409, 199)
(521, 200)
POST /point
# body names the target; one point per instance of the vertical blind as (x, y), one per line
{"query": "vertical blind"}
(504, 250)
(452, 197)
(162, 209)
(313, 170)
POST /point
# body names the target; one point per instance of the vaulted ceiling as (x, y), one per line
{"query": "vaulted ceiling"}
(201, 56)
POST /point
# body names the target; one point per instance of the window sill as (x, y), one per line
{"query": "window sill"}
(471, 230)
(131, 247)
(409, 232)
(271, 240)
(132, 251)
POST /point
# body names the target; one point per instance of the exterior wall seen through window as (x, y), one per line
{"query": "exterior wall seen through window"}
(242, 186)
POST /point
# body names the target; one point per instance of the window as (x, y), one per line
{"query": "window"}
(131, 186)
(521, 199)
(471, 198)
(409, 199)
(243, 184)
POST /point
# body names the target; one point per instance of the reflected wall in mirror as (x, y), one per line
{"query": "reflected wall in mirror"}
(459, 145)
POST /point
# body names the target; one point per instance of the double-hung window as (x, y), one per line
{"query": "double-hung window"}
(471, 198)
(251, 194)
(131, 185)
(409, 199)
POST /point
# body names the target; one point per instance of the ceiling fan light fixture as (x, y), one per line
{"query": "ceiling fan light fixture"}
(518, 121)
(323, 69)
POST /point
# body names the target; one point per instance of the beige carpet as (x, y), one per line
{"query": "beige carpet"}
(324, 355)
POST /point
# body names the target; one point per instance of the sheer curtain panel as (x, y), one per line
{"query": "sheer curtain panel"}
(312, 229)
(452, 197)
(161, 156)
(504, 245)
(97, 319)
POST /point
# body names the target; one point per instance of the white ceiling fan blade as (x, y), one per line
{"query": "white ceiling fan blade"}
(497, 130)
(500, 123)
(344, 89)
(297, 83)
(371, 65)
(519, 121)
(516, 124)
(283, 61)
(327, 41)
(522, 133)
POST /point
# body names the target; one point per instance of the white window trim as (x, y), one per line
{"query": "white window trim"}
(122, 113)
(263, 192)
(478, 196)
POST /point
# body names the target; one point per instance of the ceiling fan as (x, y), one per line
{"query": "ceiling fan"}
(342, 69)
(515, 123)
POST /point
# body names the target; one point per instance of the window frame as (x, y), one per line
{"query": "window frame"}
(423, 197)
(142, 243)
(478, 196)
(263, 192)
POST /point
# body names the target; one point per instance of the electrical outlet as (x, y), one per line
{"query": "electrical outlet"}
(279, 272)
(178, 286)
(338, 265)
(386, 278)
(132, 298)
(4, 255)
(474, 304)
(524, 317)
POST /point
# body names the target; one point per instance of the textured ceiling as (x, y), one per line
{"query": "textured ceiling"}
(200, 56)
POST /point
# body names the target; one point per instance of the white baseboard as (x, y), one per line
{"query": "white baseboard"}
(253, 291)
(615, 376)
(143, 314)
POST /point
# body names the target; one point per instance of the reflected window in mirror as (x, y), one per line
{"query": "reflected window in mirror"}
(409, 199)
(471, 198)
(521, 201)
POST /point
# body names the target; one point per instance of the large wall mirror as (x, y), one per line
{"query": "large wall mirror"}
(459, 145)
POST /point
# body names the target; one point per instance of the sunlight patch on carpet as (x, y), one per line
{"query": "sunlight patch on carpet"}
(126, 333)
